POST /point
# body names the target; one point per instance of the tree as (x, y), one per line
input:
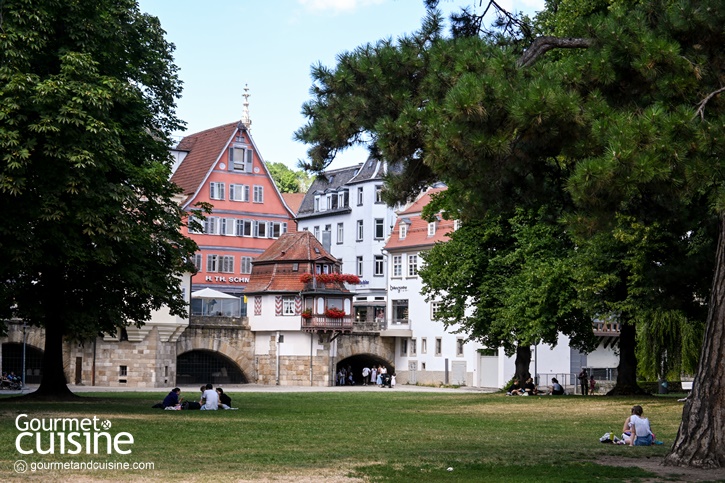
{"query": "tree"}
(509, 282)
(628, 119)
(288, 180)
(91, 231)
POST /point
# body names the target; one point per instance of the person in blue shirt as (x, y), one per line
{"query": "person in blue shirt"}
(172, 399)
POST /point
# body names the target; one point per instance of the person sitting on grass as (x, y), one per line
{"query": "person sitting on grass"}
(641, 430)
(225, 402)
(172, 399)
(530, 388)
(210, 399)
(514, 389)
(556, 388)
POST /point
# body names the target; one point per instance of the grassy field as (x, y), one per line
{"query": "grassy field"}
(353, 436)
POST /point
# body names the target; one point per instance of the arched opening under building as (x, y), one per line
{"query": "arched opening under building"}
(204, 366)
(357, 362)
(13, 361)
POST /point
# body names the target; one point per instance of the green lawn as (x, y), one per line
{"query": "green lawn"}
(370, 436)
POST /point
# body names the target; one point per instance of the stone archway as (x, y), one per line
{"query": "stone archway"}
(205, 366)
(12, 361)
(359, 361)
(235, 345)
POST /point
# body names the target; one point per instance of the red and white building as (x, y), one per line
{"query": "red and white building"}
(223, 167)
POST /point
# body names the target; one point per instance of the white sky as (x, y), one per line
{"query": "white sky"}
(221, 45)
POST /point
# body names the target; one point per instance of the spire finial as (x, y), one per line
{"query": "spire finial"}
(245, 112)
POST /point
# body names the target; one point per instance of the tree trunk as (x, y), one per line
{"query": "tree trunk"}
(700, 441)
(53, 384)
(627, 369)
(523, 362)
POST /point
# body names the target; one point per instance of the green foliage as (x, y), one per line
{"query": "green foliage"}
(91, 233)
(288, 180)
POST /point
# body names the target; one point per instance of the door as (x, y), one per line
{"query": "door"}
(79, 370)
(412, 372)
(458, 373)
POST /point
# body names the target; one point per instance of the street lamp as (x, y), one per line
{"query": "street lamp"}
(25, 325)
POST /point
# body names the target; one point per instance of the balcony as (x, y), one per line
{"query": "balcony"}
(607, 332)
(321, 323)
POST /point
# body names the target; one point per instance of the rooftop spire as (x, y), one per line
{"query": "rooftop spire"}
(245, 112)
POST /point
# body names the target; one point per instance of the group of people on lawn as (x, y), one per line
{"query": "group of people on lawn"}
(211, 399)
(529, 388)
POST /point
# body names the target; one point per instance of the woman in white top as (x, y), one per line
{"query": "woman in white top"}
(641, 430)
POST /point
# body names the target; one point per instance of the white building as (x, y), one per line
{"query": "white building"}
(344, 210)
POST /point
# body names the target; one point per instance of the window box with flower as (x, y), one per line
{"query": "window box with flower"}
(334, 313)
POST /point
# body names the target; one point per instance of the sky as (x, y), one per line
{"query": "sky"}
(270, 46)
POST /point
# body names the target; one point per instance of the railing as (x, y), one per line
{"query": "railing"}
(606, 328)
(316, 286)
(320, 322)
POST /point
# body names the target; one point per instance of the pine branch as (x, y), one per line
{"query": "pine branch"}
(544, 44)
(701, 106)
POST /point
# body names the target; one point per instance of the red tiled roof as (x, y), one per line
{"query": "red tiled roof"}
(204, 149)
(294, 201)
(271, 271)
(417, 232)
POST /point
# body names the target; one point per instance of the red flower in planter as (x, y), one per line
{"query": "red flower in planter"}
(306, 277)
(334, 313)
(307, 314)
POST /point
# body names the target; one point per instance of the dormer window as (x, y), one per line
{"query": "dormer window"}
(403, 231)
(431, 228)
(456, 224)
(240, 159)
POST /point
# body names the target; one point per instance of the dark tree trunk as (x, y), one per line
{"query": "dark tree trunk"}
(523, 362)
(627, 369)
(700, 440)
(53, 384)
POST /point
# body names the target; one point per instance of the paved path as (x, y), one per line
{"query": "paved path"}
(236, 388)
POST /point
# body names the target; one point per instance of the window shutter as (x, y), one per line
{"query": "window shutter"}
(248, 166)
(278, 305)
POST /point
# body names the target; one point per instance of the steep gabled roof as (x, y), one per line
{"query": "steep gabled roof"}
(417, 231)
(270, 270)
(204, 150)
(293, 201)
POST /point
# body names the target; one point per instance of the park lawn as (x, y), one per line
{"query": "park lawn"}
(381, 435)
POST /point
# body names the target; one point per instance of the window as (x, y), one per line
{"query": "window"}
(244, 228)
(439, 346)
(340, 232)
(195, 225)
(317, 203)
(198, 261)
(342, 197)
(435, 308)
(412, 265)
(212, 263)
(379, 228)
(258, 194)
(277, 229)
(359, 195)
(227, 264)
(329, 202)
(431, 228)
(240, 159)
(403, 347)
(397, 266)
(378, 193)
(413, 348)
(359, 266)
(459, 347)
(360, 230)
(423, 345)
(378, 269)
(239, 192)
(216, 191)
(403, 231)
(260, 229)
(226, 226)
(456, 224)
(288, 306)
(246, 265)
(123, 370)
(211, 224)
(400, 311)
(316, 232)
